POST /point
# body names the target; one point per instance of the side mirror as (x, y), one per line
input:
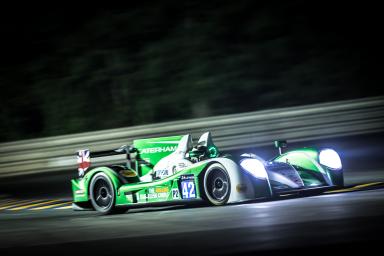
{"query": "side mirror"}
(281, 144)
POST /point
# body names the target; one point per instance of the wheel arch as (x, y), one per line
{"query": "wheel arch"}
(241, 187)
(112, 175)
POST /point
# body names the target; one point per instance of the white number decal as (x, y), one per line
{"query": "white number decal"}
(175, 193)
(188, 189)
(191, 187)
(185, 190)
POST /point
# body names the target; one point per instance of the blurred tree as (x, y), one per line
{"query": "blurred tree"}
(71, 71)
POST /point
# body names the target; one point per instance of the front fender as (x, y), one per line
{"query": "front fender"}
(308, 159)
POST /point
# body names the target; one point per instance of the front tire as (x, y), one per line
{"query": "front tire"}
(103, 196)
(217, 184)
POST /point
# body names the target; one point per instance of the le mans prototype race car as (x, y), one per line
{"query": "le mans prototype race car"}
(172, 170)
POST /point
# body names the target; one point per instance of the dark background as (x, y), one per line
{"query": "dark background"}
(67, 69)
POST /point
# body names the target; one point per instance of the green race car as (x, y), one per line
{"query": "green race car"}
(173, 170)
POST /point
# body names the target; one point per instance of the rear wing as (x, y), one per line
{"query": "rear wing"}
(148, 152)
(84, 156)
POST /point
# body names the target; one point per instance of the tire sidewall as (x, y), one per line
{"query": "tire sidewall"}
(206, 194)
(105, 177)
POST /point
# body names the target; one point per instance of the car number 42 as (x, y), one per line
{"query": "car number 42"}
(188, 189)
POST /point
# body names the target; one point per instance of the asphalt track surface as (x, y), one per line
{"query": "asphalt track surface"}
(344, 221)
(348, 220)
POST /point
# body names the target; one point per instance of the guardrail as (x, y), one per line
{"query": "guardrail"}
(252, 129)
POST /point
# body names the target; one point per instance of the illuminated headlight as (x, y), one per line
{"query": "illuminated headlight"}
(330, 158)
(254, 167)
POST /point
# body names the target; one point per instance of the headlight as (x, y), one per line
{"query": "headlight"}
(254, 167)
(330, 158)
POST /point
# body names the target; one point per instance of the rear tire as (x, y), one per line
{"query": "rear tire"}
(216, 184)
(103, 196)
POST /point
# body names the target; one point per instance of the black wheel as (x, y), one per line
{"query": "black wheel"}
(217, 185)
(103, 195)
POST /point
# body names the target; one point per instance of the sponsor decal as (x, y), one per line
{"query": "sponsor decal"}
(161, 190)
(161, 195)
(181, 165)
(148, 196)
(158, 150)
(79, 192)
(155, 192)
(153, 196)
(161, 173)
(187, 177)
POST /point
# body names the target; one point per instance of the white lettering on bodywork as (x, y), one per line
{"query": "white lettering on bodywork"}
(158, 150)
